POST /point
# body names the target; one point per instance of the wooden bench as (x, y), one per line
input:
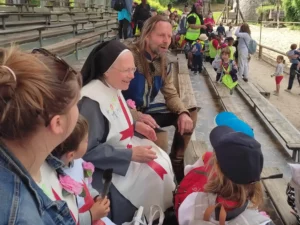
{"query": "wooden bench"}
(273, 15)
(25, 29)
(73, 24)
(70, 45)
(3, 17)
(94, 21)
(276, 190)
(59, 47)
(81, 19)
(20, 6)
(58, 14)
(100, 33)
(280, 125)
(186, 92)
(46, 15)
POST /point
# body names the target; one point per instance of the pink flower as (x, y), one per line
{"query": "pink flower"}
(264, 213)
(88, 166)
(70, 185)
(131, 104)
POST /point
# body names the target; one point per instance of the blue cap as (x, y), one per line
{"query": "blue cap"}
(239, 156)
(223, 116)
(231, 120)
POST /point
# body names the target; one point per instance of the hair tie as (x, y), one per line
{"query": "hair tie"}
(11, 71)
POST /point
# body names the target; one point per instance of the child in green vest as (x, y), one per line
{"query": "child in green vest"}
(230, 41)
(227, 71)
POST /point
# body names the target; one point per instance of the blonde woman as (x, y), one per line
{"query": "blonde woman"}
(38, 110)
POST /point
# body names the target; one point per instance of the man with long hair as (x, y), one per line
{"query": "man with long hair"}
(153, 74)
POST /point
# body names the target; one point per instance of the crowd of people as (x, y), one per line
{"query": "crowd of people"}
(66, 138)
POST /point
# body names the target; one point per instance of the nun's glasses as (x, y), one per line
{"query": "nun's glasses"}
(56, 58)
(127, 71)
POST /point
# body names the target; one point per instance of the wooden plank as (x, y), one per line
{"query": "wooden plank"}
(94, 34)
(20, 30)
(194, 151)
(276, 190)
(19, 23)
(281, 125)
(185, 89)
(182, 64)
(186, 92)
(61, 25)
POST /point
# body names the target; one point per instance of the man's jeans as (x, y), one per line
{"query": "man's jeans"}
(292, 76)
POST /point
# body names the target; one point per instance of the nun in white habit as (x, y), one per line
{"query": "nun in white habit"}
(143, 174)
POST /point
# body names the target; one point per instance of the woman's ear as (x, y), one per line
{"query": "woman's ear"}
(70, 156)
(56, 125)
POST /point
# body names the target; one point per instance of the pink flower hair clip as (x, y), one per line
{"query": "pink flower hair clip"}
(88, 169)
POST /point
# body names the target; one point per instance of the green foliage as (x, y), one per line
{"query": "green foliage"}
(164, 2)
(292, 10)
(158, 6)
(35, 2)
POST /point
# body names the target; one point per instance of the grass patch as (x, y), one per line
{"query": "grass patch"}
(216, 15)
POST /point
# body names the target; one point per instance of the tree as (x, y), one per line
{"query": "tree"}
(292, 10)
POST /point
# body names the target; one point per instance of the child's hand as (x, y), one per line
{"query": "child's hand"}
(100, 208)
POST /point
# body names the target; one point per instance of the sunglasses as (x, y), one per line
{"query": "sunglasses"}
(45, 52)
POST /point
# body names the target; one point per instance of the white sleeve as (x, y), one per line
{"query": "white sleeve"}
(237, 31)
(186, 210)
(241, 34)
(277, 71)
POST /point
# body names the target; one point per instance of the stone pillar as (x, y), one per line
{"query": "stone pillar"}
(248, 9)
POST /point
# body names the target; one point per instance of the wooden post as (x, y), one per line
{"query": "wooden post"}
(40, 38)
(3, 23)
(76, 49)
(278, 12)
(237, 12)
(227, 11)
(260, 48)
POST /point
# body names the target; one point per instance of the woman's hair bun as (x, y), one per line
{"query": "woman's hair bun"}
(8, 83)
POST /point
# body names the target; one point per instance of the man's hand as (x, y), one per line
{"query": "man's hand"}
(145, 130)
(147, 119)
(185, 124)
(203, 27)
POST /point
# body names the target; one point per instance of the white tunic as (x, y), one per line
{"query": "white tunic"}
(144, 184)
(52, 188)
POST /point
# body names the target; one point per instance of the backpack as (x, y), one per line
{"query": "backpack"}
(192, 182)
(252, 46)
(119, 5)
(182, 26)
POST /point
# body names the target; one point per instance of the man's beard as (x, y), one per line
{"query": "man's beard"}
(156, 51)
